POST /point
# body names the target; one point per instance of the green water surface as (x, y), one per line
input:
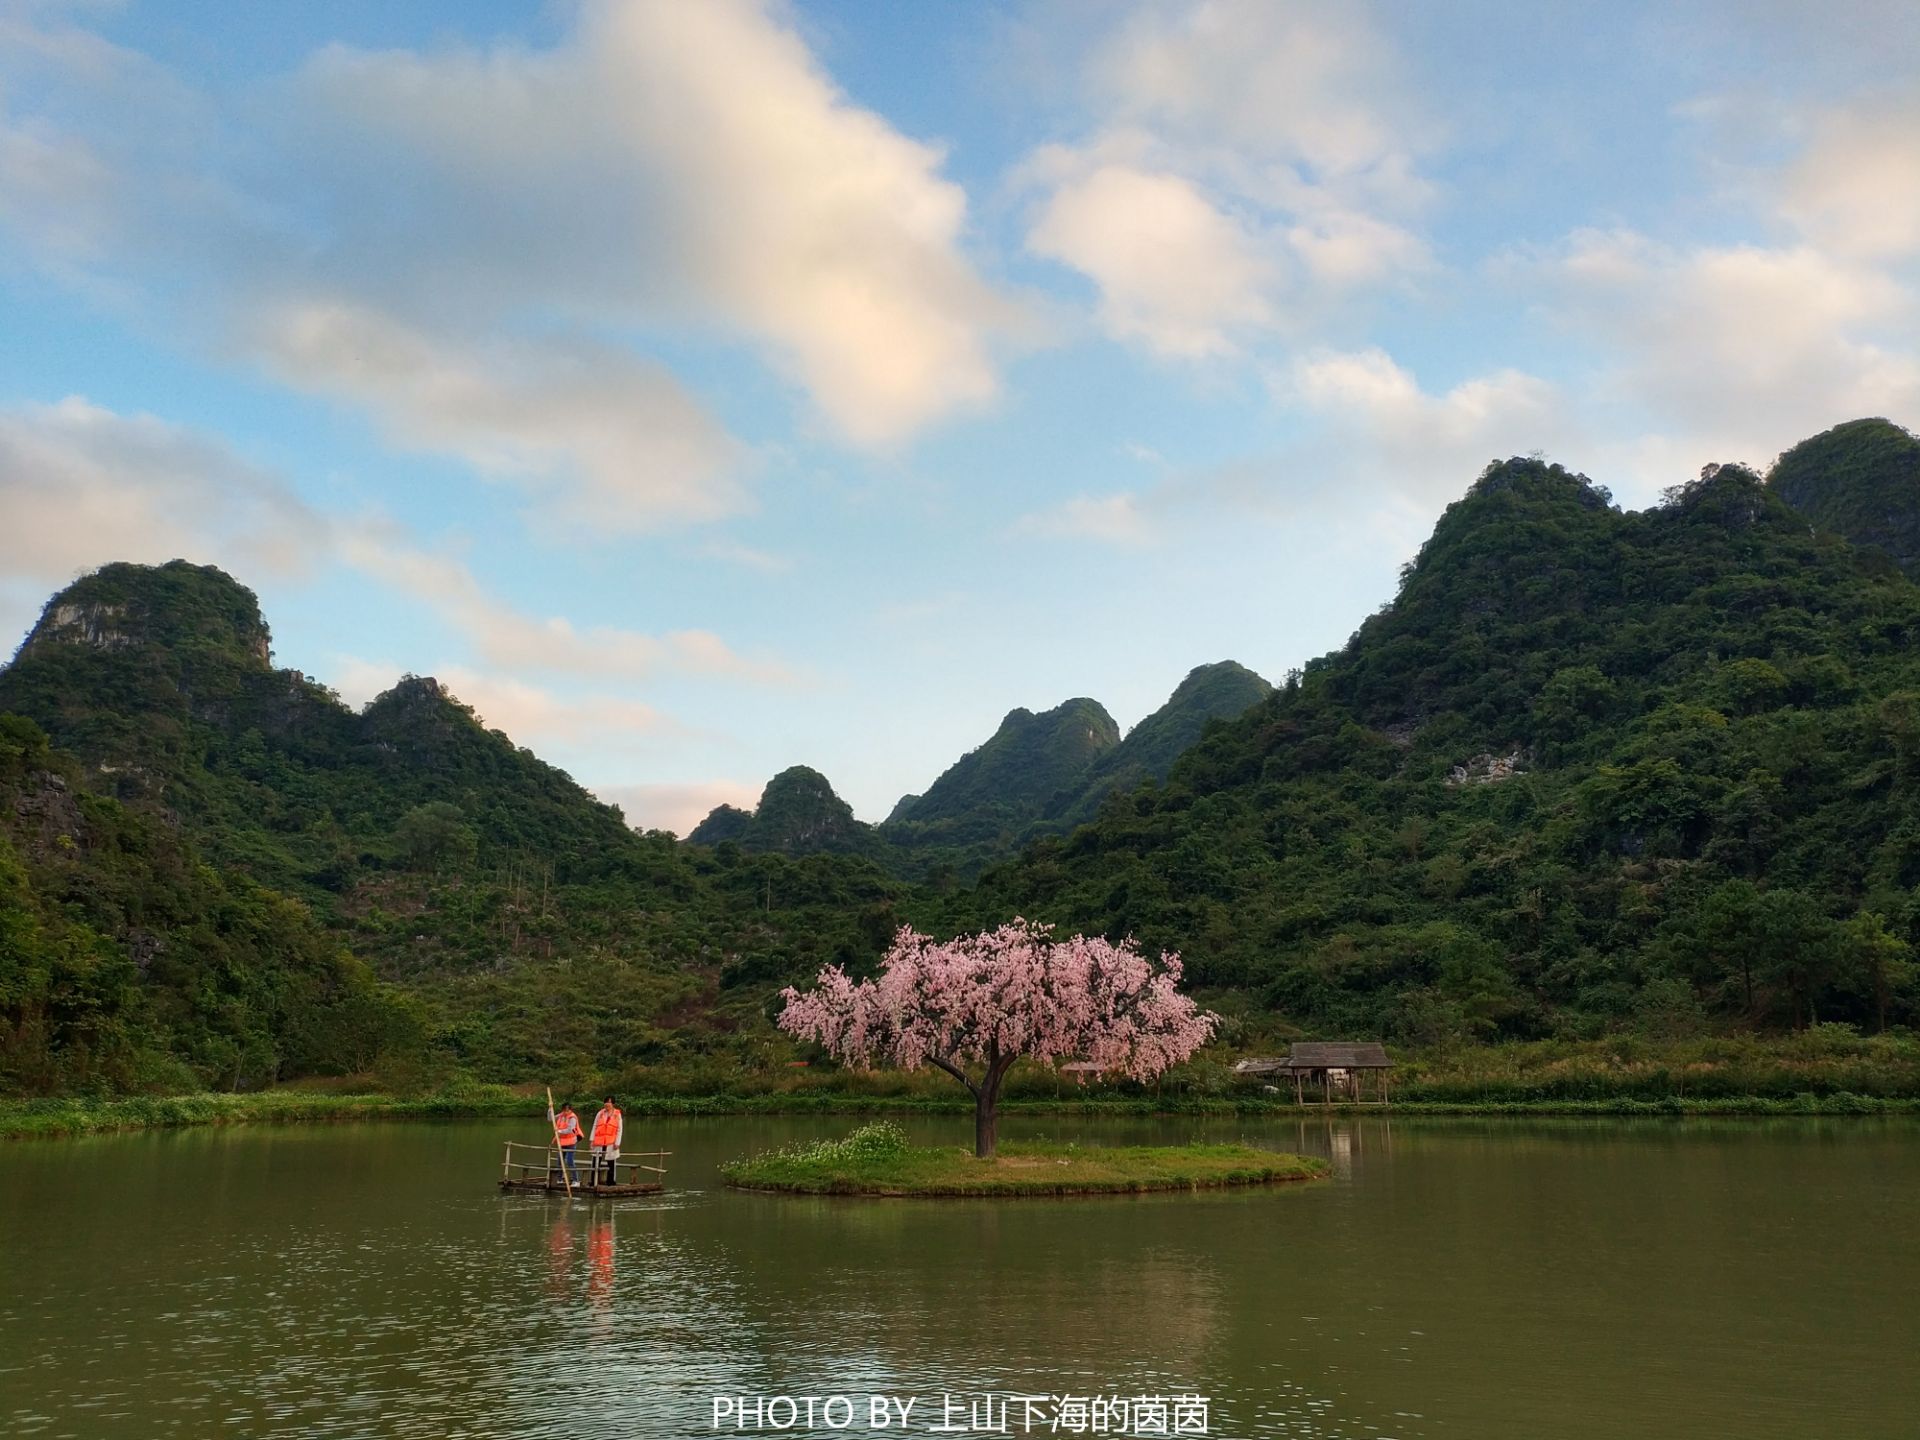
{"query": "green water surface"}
(1471, 1279)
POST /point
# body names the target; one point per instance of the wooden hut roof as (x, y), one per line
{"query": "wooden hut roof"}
(1323, 1055)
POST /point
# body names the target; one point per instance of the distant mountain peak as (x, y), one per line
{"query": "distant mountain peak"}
(798, 814)
(176, 606)
(413, 692)
(1215, 672)
(1221, 690)
(1010, 780)
(1860, 481)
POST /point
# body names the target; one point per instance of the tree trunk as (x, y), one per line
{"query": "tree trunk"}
(986, 1096)
(986, 1120)
(986, 1103)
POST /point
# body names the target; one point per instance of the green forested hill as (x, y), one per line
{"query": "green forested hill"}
(159, 679)
(1589, 771)
(536, 929)
(1588, 768)
(1861, 481)
(129, 962)
(798, 814)
(1219, 691)
(1037, 775)
(1013, 778)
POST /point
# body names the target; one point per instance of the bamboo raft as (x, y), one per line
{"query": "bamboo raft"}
(543, 1176)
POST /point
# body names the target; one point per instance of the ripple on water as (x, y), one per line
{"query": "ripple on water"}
(347, 1285)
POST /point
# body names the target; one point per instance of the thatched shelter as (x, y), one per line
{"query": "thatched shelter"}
(1336, 1068)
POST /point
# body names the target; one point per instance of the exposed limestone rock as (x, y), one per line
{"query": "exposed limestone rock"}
(1488, 769)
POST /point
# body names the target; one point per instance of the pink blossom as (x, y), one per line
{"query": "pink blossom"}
(988, 1000)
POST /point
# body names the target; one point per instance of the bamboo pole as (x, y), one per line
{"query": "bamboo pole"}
(554, 1121)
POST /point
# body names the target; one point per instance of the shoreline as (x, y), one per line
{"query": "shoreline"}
(897, 1171)
(57, 1119)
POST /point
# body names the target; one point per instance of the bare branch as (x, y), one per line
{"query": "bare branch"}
(957, 1073)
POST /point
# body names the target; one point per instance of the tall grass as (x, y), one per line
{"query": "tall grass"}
(1828, 1070)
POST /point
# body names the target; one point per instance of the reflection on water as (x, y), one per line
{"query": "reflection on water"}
(1471, 1279)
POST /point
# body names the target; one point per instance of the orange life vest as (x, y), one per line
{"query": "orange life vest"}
(606, 1126)
(566, 1128)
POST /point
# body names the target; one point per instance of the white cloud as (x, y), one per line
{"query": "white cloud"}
(479, 248)
(81, 485)
(1385, 450)
(1855, 188)
(511, 640)
(1120, 520)
(1245, 164)
(676, 164)
(1311, 89)
(529, 714)
(1172, 269)
(1345, 248)
(747, 557)
(676, 807)
(1421, 438)
(610, 440)
(54, 189)
(1381, 453)
(1767, 343)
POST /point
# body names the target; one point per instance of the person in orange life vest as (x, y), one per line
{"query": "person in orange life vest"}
(609, 1126)
(566, 1134)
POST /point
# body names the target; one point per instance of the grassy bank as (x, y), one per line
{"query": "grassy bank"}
(877, 1160)
(55, 1119)
(1828, 1070)
(24, 1119)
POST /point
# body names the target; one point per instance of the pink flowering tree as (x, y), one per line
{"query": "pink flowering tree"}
(974, 1005)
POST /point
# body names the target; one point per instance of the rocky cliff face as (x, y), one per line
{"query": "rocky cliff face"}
(160, 680)
(176, 606)
(101, 626)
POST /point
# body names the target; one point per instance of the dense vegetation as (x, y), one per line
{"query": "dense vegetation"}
(1591, 779)
(1012, 779)
(1220, 691)
(798, 814)
(1858, 480)
(1589, 769)
(525, 927)
(127, 962)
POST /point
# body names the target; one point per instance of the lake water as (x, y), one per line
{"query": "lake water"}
(1476, 1280)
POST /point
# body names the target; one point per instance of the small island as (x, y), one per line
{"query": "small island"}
(877, 1160)
(974, 1007)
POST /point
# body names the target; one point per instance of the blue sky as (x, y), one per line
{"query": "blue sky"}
(704, 389)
